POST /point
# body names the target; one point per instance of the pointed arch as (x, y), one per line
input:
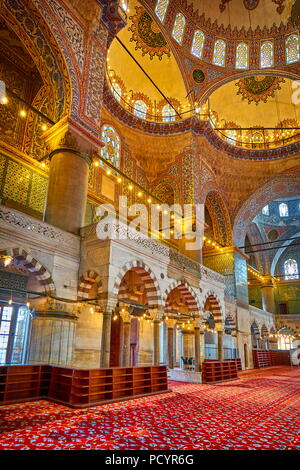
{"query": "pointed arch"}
(88, 282)
(187, 293)
(33, 266)
(221, 223)
(29, 25)
(275, 188)
(212, 304)
(152, 288)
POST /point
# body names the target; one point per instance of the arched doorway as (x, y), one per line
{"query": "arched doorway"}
(254, 335)
(213, 335)
(131, 332)
(19, 276)
(181, 308)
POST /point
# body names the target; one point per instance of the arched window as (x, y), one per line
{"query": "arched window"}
(219, 53)
(161, 9)
(198, 43)
(111, 141)
(168, 113)
(140, 109)
(123, 5)
(292, 49)
(291, 269)
(231, 136)
(265, 210)
(283, 210)
(241, 59)
(266, 55)
(178, 28)
(117, 92)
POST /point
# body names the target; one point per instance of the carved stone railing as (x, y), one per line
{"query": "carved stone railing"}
(156, 247)
(259, 312)
(17, 222)
(211, 275)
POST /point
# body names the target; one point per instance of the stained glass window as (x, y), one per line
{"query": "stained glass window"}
(178, 28)
(161, 9)
(291, 269)
(198, 43)
(117, 92)
(266, 55)
(219, 53)
(292, 49)
(111, 149)
(123, 5)
(231, 136)
(168, 113)
(283, 210)
(140, 109)
(241, 59)
(265, 210)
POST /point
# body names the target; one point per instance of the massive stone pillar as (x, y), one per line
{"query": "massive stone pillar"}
(52, 337)
(70, 155)
(126, 338)
(105, 344)
(268, 299)
(220, 345)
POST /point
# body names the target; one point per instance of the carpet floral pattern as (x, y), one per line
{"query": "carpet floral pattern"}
(260, 410)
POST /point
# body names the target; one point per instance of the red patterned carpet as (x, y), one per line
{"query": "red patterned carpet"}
(261, 410)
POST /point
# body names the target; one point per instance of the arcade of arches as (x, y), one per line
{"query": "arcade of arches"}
(165, 105)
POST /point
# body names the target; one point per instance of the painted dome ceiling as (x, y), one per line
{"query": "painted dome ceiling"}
(261, 105)
(245, 14)
(142, 41)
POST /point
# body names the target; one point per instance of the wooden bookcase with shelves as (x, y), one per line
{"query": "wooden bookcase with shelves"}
(80, 387)
(217, 371)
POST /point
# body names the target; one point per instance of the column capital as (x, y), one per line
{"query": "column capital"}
(170, 323)
(157, 315)
(125, 315)
(67, 135)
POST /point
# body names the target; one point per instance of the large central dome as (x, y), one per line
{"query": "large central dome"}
(247, 13)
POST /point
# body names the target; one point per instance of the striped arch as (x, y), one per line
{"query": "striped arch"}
(212, 304)
(264, 330)
(254, 329)
(230, 323)
(33, 266)
(187, 293)
(147, 276)
(86, 282)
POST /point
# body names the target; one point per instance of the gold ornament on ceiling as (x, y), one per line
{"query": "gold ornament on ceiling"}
(147, 35)
(259, 88)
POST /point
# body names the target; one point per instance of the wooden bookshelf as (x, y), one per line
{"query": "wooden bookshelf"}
(217, 371)
(80, 387)
(267, 358)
